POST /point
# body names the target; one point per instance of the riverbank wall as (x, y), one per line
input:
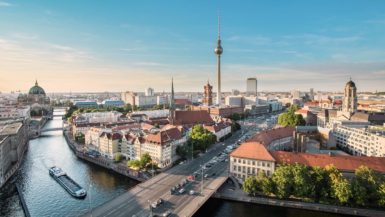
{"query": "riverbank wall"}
(103, 162)
(239, 196)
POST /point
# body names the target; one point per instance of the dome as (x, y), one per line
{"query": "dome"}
(36, 90)
(218, 50)
(350, 84)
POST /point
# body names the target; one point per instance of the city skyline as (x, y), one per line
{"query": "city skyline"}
(83, 47)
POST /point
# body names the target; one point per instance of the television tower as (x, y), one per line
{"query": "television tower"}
(218, 51)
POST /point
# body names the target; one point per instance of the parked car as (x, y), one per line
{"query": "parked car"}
(191, 192)
(181, 191)
(167, 213)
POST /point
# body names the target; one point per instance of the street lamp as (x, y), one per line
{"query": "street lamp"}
(202, 180)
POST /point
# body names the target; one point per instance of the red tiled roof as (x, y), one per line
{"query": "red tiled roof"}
(337, 102)
(215, 128)
(266, 137)
(112, 136)
(302, 111)
(192, 117)
(182, 102)
(313, 103)
(360, 116)
(252, 150)
(165, 136)
(345, 163)
(146, 126)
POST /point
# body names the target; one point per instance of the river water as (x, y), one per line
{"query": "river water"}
(45, 197)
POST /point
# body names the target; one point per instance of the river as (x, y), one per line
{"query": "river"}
(45, 197)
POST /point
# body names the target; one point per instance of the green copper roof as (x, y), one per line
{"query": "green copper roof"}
(36, 89)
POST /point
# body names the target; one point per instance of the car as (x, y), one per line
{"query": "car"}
(191, 192)
(159, 201)
(206, 175)
(154, 205)
(167, 213)
(181, 191)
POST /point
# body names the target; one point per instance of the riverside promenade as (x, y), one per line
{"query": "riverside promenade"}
(103, 162)
(228, 192)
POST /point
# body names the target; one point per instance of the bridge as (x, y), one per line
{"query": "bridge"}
(51, 129)
(137, 201)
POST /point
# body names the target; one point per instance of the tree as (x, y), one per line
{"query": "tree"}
(118, 157)
(235, 126)
(80, 138)
(342, 191)
(321, 184)
(289, 118)
(283, 181)
(266, 185)
(201, 138)
(303, 186)
(365, 186)
(250, 185)
(134, 164)
(381, 194)
(340, 188)
(145, 159)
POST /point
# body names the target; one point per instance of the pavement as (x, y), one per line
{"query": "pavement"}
(137, 201)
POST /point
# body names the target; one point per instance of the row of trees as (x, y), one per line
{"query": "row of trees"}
(325, 185)
(289, 118)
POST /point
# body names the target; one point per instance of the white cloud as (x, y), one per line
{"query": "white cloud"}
(5, 4)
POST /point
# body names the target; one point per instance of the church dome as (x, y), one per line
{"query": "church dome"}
(350, 84)
(35, 90)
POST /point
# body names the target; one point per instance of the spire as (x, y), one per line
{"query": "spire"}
(36, 83)
(219, 27)
(172, 103)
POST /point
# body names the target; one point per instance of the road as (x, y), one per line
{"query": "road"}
(137, 201)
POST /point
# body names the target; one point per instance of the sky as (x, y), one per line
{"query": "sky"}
(114, 45)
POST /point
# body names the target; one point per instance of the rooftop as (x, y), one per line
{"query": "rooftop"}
(252, 150)
(10, 129)
(266, 137)
(345, 163)
(192, 117)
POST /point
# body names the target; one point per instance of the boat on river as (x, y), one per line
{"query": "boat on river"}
(67, 183)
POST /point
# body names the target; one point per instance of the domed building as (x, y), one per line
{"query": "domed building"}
(36, 95)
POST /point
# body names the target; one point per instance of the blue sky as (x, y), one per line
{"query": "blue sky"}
(131, 45)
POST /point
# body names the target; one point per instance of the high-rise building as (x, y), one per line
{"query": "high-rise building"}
(350, 98)
(251, 89)
(149, 92)
(311, 94)
(296, 94)
(208, 94)
(218, 51)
